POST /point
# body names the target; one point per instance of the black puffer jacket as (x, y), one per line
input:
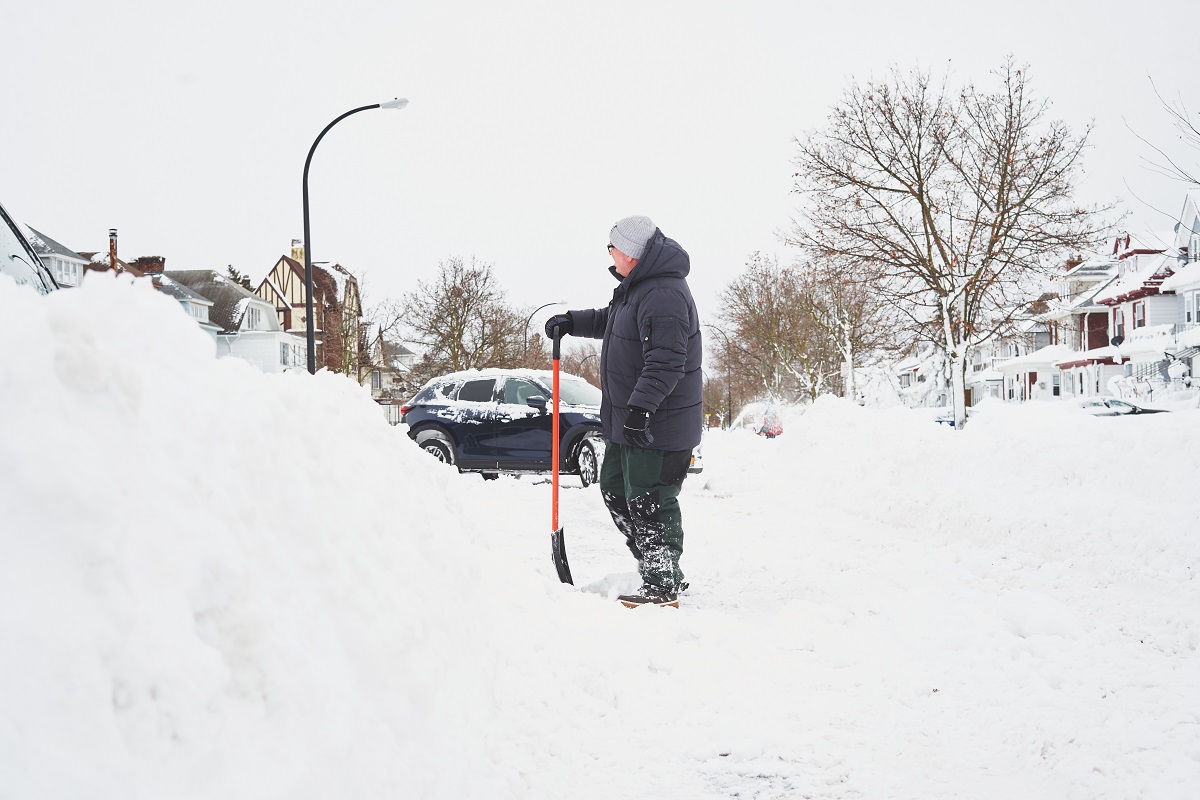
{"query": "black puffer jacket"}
(652, 349)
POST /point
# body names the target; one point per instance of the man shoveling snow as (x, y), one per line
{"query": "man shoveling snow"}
(652, 412)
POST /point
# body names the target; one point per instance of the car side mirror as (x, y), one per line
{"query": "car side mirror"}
(537, 401)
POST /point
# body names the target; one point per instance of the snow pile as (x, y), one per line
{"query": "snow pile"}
(221, 583)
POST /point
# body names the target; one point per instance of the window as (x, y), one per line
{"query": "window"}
(1139, 315)
(1118, 322)
(376, 381)
(253, 320)
(1194, 247)
(480, 391)
(1057, 382)
(517, 391)
(285, 354)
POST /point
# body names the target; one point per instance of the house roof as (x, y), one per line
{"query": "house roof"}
(1145, 276)
(1184, 278)
(172, 288)
(1044, 358)
(43, 245)
(1189, 219)
(229, 299)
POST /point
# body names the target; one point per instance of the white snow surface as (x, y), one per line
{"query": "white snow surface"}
(219, 583)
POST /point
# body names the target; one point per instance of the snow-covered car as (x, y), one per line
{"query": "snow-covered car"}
(1112, 407)
(17, 259)
(499, 421)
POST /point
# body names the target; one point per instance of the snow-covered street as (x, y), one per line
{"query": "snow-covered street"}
(218, 583)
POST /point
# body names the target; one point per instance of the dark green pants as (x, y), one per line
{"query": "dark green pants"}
(641, 490)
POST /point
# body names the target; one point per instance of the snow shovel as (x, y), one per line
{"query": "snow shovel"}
(558, 545)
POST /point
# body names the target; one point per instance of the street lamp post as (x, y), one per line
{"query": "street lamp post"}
(525, 330)
(728, 378)
(398, 103)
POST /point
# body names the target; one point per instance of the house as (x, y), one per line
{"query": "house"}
(64, 264)
(248, 326)
(1082, 324)
(1185, 285)
(107, 261)
(386, 367)
(195, 305)
(1142, 318)
(337, 308)
(921, 378)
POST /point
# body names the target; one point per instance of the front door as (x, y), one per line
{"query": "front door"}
(523, 432)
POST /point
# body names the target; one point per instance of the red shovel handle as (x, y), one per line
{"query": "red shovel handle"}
(554, 445)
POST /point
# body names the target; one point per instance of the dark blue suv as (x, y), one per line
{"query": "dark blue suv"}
(494, 421)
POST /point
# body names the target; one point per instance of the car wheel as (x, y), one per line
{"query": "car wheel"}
(490, 476)
(437, 445)
(589, 468)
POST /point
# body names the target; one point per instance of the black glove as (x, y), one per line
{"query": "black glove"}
(637, 427)
(563, 322)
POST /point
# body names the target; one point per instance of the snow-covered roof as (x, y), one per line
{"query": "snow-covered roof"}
(1144, 273)
(1044, 358)
(43, 245)
(229, 298)
(1189, 219)
(173, 288)
(984, 376)
(1129, 243)
(1185, 278)
(538, 374)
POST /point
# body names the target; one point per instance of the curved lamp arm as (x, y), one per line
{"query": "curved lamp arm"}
(397, 103)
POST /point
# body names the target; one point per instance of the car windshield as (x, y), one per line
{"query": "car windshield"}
(575, 391)
(16, 261)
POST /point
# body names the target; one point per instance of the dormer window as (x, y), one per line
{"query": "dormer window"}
(253, 319)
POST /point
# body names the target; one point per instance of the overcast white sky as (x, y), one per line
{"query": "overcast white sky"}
(532, 127)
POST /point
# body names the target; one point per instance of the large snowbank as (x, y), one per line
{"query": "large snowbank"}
(220, 583)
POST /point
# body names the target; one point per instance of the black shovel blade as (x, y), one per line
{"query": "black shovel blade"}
(558, 550)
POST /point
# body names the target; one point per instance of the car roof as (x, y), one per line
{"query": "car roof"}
(478, 374)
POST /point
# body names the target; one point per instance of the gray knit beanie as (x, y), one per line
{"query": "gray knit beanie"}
(632, 235)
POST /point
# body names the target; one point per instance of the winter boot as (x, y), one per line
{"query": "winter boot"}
(649, 596)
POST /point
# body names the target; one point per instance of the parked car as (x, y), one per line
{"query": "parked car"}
(499, 421)
(1112, 407)
(17, 259)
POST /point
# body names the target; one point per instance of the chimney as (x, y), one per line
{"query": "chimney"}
(298, 250)
(112, 249)
(149, 265)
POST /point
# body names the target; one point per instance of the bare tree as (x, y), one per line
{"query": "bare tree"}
(582, 358)
(461, 321)
(963, 202)
(843, 303)
(1183, 121)
(773, 342)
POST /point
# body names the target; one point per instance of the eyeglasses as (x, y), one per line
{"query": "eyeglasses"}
(610, 248)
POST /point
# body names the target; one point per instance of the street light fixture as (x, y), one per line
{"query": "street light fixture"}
(525, 330)
(728, 378)
(398, 103)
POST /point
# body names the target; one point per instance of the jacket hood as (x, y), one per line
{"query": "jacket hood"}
(663, 258)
